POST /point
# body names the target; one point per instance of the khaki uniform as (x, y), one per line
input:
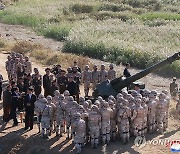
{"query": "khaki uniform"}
(111, 74)
(173, 89)
(45, 121)
(162, 111)
(28, 67)
(94, 127)
(138, 119)
(39, 106)
(79, 128)
(103, 75)
(95, 79)
(60, 117)
(86, 79)
(106, 113)
(145, 118)
(113, 123)
(151, 115)
(123, 119)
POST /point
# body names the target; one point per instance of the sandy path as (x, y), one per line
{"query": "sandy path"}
(21, 33)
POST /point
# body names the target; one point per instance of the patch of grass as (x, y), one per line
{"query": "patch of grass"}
(159, 15)
(2, 44)
(21, 19)
(115, 7)
(48, 57)
(56, 32)
(24, 47)
(104, 15)
(82, 8)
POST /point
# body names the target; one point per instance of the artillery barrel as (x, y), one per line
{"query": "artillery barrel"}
(119, 84)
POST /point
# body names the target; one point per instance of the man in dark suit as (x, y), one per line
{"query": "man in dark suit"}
(29, 100)
(46, 82)
(15, 104)
(126, 72)
(7, 99)
(73, 88)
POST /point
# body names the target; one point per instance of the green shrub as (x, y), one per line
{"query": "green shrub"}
(102, 15)
(115, 7)
(21, 19)
(159, 15)
(156, 22)
(82, 8)
(24, 47)
(56, 32)
(119, 55)
(2, 44)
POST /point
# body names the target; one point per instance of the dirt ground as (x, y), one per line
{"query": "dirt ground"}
(14, 140)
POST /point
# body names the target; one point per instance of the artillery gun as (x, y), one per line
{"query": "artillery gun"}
(115, 86)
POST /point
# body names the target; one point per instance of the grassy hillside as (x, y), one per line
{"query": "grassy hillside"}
(141, 32)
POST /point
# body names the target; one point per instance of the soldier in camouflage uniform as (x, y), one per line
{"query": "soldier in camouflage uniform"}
(79, 128)
(106, 113)
(81, 100)
(123, 116)
(162, 109)
(68, 107)
(167, 108)
(86, 79)
(39, 106)
(60, 116)
(113, 119)
(143, 103)
(173, 88)
(138, 118)
(111, 72)
(103, 75)
(66, 96)
(94, 125)
(151, 113)
(28, 66)
(53, 111)
(45, 121)
(95, 77)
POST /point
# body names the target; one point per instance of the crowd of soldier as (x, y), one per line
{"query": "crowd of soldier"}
(61, 110)
(129, 114)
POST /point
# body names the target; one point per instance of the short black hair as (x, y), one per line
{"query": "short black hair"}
(127, 64)
(15, 88)
(30, 88)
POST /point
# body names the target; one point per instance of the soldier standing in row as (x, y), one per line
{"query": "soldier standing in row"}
(111, 72)
(94, 121)
(103, 75)
(46, 117)
(95, 77)
(79, 128)
(28, 66)
(86, 79)
(173, 88)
